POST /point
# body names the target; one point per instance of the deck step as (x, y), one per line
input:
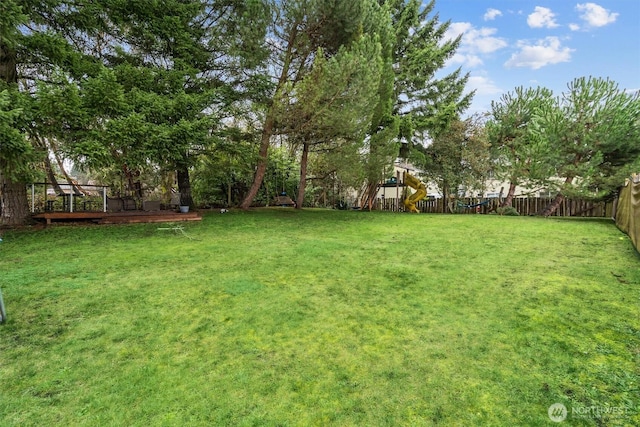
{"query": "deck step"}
(130, 219)
(119, 218)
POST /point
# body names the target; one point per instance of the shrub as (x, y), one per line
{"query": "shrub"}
(508, 211)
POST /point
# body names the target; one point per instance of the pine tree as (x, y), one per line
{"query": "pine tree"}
(414, 101)
(422, 100)
(145, 84)
(301, 29)
(188, 64)
(332, 111)
(593, 135)
(458, 158)
(516, 152)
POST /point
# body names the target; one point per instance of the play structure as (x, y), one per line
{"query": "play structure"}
(411, 199)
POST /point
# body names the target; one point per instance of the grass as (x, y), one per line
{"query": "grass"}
(276, 317)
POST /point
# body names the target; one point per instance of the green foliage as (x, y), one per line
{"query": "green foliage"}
(16, 153)
(412, 101)
(518, 154)
(324, 76)
(381, 145)
(11, 15)
(593, 133)
(332, 102)
(143, 84)
(507, 210)
(11, 136)
(223, 174)
(425, 103)
(335, 100)
(580, 144)
(458, 158)
(146, 86)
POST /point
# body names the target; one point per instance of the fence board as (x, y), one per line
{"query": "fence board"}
(627, 215)
(524, 206)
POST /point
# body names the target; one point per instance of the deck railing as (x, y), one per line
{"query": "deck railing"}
(48, 197)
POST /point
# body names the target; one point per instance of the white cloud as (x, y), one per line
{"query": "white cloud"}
(457, 28)
(492, 14)
(469, 60)
(595, 15)
(545, 52)
(475, 43)
(483, 40)
(574, 27)
(542, 17)
(483, 85)
(473, 61)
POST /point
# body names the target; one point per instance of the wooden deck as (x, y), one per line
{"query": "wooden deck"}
(124, 217)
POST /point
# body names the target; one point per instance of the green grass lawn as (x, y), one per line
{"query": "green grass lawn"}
(282, 318)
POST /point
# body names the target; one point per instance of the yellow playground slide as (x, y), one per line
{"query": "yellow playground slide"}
(421, 192)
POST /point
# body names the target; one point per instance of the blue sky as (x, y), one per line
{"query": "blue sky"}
(530, 43)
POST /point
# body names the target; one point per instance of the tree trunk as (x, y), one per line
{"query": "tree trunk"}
(553, 206)
(184, 186)
(133, 180)
(362, 196)
(269, 123)
(166, 185)
(509, 199)
(261, 167)
(369, 191)
(77, 190)
(8, 69)
(373, 192)
(557, 201)
(445, 198)
(14, 206)
(51, 176)
(303, 175)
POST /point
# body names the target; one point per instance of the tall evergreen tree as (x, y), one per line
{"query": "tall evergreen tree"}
(301, 29)
(46, 44)
(418, 102)
(423, 100)
(333, 102)
(143, 85)
(187, 63)
(381, 143)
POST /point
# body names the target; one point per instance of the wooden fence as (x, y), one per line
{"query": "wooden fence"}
(524, 206)
(627, 214)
